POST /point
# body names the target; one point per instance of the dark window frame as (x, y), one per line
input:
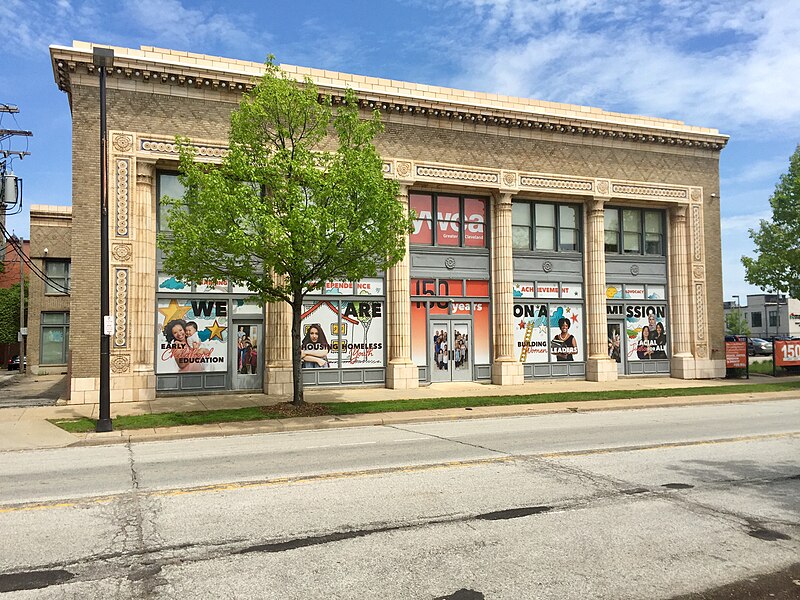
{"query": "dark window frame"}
(63, 326)
(462, 222)
(645, 237)
(557, 228)
(64, 281)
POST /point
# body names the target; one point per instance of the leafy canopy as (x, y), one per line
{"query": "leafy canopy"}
(300, 197)
(736, 323)
(777, 263)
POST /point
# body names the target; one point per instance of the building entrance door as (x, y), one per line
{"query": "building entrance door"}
(248, 356)
(616, 349)
(451, 350)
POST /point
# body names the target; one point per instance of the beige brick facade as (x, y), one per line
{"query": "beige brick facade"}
(434, 139)
(51, 239)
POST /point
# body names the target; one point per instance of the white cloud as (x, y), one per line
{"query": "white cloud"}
(740, 224)
(737, 243)
(30, 27)
(758, 171)
(173, 24)
(726, 64)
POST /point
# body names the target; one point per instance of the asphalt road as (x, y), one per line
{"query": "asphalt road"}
(693, 502)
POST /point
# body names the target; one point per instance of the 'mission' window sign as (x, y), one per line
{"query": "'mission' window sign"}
(457, 220)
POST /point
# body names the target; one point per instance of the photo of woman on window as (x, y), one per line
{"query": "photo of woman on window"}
(314, 348)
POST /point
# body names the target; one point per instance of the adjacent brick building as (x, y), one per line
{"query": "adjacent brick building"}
(552, 240)
(50, 299)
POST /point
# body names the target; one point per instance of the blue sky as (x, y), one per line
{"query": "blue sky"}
(733, 65)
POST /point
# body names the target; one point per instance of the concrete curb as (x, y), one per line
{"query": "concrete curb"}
(400, 418)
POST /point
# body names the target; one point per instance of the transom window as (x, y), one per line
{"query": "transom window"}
(634, 231)
(457, 220)
(545, 227)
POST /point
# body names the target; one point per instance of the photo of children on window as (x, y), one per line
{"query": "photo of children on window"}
(247, 349)
(314, 348)
(184, 345)
(564, 346)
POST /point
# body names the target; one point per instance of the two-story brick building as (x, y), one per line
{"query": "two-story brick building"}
(551, 240)
(49, 300)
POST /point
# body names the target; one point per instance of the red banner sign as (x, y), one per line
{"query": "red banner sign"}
(787, 353)
(736, 355)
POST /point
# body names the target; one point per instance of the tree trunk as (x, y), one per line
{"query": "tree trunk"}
(297, 375)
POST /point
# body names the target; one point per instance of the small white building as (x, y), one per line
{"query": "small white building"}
(769, 315)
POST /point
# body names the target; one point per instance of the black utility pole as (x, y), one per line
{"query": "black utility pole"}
(103, 58)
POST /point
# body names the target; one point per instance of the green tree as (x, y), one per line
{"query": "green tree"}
(299, 199)
(736, 323)
(777, 263)
(9, 313)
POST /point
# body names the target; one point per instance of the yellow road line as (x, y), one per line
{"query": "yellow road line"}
(339, 475)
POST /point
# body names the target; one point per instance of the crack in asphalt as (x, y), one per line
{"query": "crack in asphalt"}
(447, 439)
(144, 564)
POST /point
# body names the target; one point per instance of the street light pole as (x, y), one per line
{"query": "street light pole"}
(103, 58)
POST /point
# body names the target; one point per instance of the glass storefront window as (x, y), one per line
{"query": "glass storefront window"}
(54, 338)
(656, 292)
(631, 232)
(521, 225)
(342, 334)
(653, 233)
(168, 185)
(193, 335)
(448, 217)
(474, 222)
(567, 227)
(545, 217)
(422, 205)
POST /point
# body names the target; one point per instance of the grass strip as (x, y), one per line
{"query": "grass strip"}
(258, 413)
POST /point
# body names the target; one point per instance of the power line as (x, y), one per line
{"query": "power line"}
(33, 268)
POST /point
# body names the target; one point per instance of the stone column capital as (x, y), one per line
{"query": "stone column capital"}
(145, 171)
(502, 201)
(679, 212)
(597, 204)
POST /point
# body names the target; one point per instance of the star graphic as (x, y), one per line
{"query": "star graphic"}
(522, 324)
(216, 331)
(173, 311)
(575, 318)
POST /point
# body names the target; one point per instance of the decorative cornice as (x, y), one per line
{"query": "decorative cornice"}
(232, 78)
(154, 147)
(166, 148)
(639, 190)
(555, 183)
(454, 174)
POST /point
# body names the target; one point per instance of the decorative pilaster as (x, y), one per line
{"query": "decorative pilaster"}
(599, 367)
(278, 372)
(143, 320)
(401, 372)
(505, 370)
(680, 294)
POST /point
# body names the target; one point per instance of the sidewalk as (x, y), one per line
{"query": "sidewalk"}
(27, 427)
